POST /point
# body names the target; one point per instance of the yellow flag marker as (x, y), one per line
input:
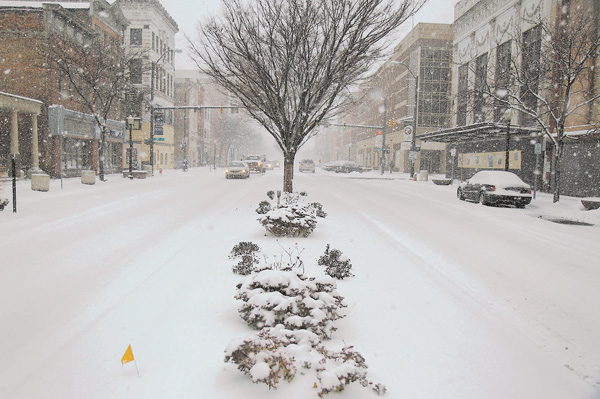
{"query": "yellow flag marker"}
(128, 357)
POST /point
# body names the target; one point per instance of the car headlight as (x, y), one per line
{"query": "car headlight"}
(226, 170)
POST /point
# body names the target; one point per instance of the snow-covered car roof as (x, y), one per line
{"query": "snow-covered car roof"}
(497, 177)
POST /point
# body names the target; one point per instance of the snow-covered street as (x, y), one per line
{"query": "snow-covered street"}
(450, 299)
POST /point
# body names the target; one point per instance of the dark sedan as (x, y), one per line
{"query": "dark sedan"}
(495, 187)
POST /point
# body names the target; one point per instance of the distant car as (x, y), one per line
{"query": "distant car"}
(276, 164)
(347, 167)
(329, 166)
(307, 165)
(255, 163)
(237, 170)
(495, 187)
(268, 165)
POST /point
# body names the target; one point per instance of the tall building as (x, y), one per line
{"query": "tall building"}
(503, 66)
(63, 137)
(151, 31)
(388, 97)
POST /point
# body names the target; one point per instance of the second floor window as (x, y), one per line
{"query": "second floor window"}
(135, 71)
(135, 37)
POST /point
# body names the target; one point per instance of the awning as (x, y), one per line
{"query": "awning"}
(478, 132)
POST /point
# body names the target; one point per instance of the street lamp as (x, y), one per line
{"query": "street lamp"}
(130, 121)
(507, 118)
(413, 141)
(154, 63)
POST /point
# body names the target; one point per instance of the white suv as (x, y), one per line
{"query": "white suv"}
(307, 165)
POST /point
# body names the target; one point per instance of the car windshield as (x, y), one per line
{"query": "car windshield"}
(237, 164)
(307, 161)
(254, 158)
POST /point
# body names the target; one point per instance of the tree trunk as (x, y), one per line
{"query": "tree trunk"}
(288, 172)
(101, 154)
(557, 154)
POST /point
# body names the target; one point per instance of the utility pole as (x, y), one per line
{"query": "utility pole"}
(383, 138)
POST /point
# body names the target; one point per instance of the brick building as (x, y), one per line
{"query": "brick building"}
(68, 136)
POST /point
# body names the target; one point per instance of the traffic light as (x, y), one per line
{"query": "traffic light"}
(392, 122)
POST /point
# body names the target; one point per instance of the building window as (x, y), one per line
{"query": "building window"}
(480, 84)
(434, 87)
(135, 37)
(530, 64)
(135, 71)
(503, 62)
(463, 94)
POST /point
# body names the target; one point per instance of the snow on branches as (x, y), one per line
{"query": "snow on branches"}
(290, 216)
(273, 297)
(294, 314)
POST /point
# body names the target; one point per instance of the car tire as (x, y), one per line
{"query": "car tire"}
(483, 199)
(460, 195)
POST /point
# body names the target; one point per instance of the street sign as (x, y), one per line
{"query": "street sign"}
(412, 155)
(378, 133)
(538, 149)
(377, 148)
(453, 152)
(159, 121)
(408, 130)
(159, 139)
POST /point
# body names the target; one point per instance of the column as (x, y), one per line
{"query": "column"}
(35, 152)
(14, 133)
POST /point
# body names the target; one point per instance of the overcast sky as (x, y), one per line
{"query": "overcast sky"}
(187, 12)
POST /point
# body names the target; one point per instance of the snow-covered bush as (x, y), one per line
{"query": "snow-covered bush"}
(272, 297)
(246, 252)
(276, 353)
(337, 265)
(291, 221)
(263, 207)
(290, 216)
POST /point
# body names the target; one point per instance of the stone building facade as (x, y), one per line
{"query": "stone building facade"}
(387, 102)
(151, 31)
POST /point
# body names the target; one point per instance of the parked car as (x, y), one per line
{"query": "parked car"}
(237, 169)
(307, 165)
(329, 166)
(495, 187)
(347, 167)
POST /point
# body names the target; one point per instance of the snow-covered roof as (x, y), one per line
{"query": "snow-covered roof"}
(39, 4)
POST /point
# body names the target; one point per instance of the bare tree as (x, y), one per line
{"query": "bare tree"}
(235, 132)
(97, 77)
(289, 62)
(549, 80)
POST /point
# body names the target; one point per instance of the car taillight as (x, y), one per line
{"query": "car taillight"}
(528, 190)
